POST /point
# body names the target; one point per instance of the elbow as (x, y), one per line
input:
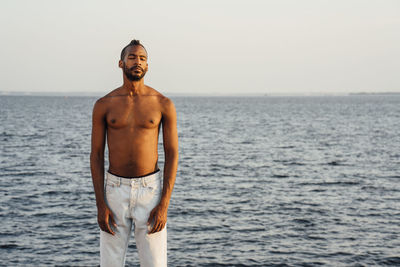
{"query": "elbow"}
(172, 154)
(96, 157)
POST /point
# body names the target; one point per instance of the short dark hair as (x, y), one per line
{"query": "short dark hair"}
(132, 43)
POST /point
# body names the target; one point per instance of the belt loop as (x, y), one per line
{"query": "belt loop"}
(144, 182)
(119, 181)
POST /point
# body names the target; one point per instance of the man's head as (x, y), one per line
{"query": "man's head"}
(134, 61)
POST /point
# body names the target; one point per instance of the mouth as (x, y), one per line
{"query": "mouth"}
(136, 69)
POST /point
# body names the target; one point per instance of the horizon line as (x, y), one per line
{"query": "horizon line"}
(99, 94)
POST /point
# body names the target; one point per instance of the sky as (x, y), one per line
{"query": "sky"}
(212, 47)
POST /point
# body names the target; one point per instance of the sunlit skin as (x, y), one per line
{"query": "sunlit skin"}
(130, 118)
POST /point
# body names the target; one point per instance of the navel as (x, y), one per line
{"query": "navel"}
(151, 121)
(113, 121)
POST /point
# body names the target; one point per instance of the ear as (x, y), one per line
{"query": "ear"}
(121, 64)
(147, 66)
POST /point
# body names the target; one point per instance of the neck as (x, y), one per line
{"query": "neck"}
(134, 87)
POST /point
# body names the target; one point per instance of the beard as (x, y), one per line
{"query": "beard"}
(133, 76)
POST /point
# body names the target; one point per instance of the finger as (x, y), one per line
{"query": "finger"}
(157, 227)
(108, 227)
(153, 229)
(162, 226)
(112, 221)
(104, 228)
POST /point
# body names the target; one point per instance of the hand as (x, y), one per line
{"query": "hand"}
(159, 218)
(105, 218)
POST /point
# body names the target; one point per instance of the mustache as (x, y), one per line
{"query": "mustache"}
(136, 67)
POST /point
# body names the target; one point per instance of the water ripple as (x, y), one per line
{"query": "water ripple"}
(270, 181)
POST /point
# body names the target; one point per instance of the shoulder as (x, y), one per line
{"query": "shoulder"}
(102, 103)
(165, 103)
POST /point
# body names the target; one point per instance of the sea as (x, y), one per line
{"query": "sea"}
(262, 181)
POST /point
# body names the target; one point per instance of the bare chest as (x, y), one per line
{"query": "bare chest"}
(133, 115)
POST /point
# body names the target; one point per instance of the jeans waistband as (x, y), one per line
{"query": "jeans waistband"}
(130, 181)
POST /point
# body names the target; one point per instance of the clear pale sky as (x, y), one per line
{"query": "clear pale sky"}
(208, 46)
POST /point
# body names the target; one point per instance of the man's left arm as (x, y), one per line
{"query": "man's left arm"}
(170, 141)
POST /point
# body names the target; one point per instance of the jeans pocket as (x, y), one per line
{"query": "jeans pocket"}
(110, 185)
(154, 187)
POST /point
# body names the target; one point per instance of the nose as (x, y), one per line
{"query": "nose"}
(137, 61)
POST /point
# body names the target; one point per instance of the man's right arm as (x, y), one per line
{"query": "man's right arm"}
(104, 214)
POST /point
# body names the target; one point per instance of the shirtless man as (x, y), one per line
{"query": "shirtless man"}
(133, 192)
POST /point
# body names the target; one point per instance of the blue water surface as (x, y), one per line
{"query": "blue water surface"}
(262, 181)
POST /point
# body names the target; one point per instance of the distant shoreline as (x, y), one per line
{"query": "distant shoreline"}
(383, 93)
(100, 94)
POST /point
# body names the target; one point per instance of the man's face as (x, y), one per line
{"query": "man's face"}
(134, 64)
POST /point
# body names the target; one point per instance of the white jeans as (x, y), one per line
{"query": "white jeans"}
(131, 200)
